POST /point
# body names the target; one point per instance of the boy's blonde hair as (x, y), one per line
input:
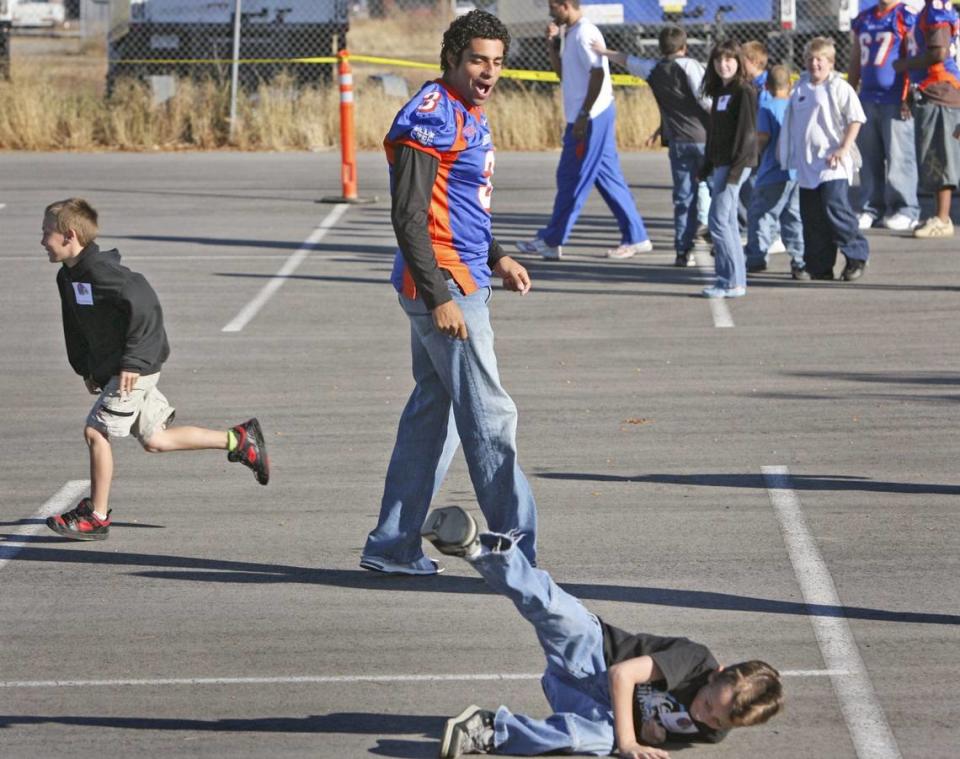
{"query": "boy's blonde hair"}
(757, 692)
(76, 214)
(820, 46)
(756, 53)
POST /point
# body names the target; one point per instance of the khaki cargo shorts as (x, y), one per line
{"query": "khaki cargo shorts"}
(142, 412)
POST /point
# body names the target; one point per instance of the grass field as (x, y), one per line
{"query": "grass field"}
(55, 100)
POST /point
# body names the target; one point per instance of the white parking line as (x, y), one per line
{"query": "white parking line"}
(866, 722)
(318, 679)
(253, 307)
(722, 318)
(58, 503)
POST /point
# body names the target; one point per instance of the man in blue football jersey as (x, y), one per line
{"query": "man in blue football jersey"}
(888, 176)
(441, 160)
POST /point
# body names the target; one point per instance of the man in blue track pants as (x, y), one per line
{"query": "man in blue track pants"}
(589, 156)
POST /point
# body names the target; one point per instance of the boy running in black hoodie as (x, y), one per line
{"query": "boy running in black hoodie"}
(113, 325)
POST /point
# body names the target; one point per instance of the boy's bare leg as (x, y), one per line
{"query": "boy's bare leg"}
(186, 439)
(944, 197)
(101, 469)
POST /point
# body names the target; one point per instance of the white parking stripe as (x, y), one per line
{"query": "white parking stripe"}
(318, 679)
(253, 307)
(871, 734)
(58, 503)
(722, 318)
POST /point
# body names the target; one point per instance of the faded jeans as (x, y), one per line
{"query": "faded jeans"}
(458, 398)
(888, 176)
(575, 680)
(729, 262)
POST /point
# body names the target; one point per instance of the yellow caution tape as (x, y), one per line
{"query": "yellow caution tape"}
(527, 75)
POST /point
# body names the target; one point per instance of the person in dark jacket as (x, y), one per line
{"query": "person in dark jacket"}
(731, 155)
(113, 326)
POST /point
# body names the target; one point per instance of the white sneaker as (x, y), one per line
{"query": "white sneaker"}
(715, 291)
(865, 221)
(537, 247)
(777, 247)
(629, 251)
(900, 222)
(388, 567)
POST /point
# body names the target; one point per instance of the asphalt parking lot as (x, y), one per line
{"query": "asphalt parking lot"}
(776, 479)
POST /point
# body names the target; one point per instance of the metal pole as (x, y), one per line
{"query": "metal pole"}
(235, 68)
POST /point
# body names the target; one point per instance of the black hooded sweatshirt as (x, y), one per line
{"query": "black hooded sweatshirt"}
(112, 320)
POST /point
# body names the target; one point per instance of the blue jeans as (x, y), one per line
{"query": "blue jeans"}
(730, 266)
(686, 160)
(888, 176)
(457, 398)
(584, 164)
(830, 223)
(575, 680)
(771, 206)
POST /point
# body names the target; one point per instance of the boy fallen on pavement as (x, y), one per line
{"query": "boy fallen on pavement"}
(113, 325)
(609, 690)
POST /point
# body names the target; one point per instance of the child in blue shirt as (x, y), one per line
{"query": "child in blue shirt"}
(775, 201)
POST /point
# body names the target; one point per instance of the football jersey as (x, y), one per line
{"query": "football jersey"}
(438, 122)
(938, 15)
(884, 37)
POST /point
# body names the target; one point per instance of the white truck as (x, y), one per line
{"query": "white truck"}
(194, 38)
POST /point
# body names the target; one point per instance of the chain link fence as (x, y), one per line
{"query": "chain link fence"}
(195, 38)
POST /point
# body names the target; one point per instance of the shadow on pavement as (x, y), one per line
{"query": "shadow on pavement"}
(799, 481)
(361, 723)
(185, 568)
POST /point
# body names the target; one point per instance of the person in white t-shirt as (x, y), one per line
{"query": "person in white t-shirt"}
(589, 156)
(818, 141)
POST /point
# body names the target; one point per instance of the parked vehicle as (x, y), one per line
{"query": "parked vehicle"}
(183, 37)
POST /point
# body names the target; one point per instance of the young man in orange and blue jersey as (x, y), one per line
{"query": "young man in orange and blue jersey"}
(441, 160)
(936, 109)
(881, 35)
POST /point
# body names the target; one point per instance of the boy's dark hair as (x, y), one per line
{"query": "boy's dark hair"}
(712, 83)
(672, 39)
(757, 692)
(76, 214)
(778, 79)
(473, 25)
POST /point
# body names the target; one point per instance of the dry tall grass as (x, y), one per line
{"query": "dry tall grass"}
(55, 101)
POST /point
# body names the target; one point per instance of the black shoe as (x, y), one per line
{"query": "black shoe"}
(683, 260)
(754, 268)
(470, 732)
(827, 275)
(799, 273)
(251, 451)
(853, 270)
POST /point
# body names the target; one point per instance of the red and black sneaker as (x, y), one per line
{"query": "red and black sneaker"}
(251, 450)
(81, 523)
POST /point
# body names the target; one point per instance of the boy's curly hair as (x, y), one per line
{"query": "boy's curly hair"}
(473, 25)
